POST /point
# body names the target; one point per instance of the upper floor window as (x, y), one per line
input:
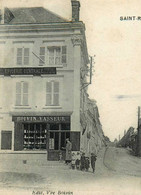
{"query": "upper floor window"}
(52, 93)
(21, 94)
(55, 55)
(23, 56)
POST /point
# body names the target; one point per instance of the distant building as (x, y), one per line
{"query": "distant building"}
(125, 140)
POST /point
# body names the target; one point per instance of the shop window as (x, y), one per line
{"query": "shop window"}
(52, 93)
(23, 56)
(65, 126)
(21, 94)
(57, 55)
(54, 126)
(35, 136)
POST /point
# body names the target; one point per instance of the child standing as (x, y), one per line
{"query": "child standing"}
(77, 163)
(73, 161)
(87, 163)
(93, 160)
(82, 162)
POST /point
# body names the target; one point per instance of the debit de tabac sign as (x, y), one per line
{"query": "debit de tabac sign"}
(27, 71)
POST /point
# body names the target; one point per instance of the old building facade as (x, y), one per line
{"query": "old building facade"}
(42, 57)
(92, 136)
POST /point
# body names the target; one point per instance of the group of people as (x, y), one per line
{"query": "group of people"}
(82, 162)
(79, 160)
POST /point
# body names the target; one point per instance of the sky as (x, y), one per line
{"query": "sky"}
(116, 82)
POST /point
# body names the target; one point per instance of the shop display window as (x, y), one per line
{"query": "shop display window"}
(35, 136)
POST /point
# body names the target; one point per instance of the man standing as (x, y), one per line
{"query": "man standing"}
(68, 151)
(93, 160)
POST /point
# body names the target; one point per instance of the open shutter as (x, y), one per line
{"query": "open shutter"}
(64, 54)
(51, 55)
(2, 52)
(19, 56)
(18, 137)
(75, 140)
(42, 56)
(56, 94)
(57, 56)
(25, 93)
(26, 56)
(18, 94)
(48, 93)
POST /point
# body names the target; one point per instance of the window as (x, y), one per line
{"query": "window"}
(34, 136)
(23, 56)
(21, 94)
(57, 55)
(52, 93)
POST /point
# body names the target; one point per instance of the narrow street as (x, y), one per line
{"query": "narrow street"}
(116, 172)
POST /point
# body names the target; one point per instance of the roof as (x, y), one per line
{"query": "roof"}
(31, 15)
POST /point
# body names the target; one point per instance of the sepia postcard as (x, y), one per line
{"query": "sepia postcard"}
(70, 97)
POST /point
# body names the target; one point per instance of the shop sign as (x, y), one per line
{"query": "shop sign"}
(27, 71)
(51, 119)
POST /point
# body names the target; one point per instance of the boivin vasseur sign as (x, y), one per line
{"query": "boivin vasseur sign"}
(27, 71)
(50, 119)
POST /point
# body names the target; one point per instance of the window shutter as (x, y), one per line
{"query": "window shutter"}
(6, 140)
(42, 56)
(19, 56)
(48, 93)
(18, 93)
(57, 55)
(26, 56)
(64, 54)
(1, 54)
(51, 55)
(56, 94)
(25, 93)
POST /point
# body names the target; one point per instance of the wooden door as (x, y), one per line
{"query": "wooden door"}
(18, 137)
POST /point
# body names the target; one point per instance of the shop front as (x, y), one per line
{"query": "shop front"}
(44, 133)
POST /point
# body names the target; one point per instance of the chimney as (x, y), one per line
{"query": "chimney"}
(75, 10)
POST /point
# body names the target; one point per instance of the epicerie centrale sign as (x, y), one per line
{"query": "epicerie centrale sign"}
(27, 71)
